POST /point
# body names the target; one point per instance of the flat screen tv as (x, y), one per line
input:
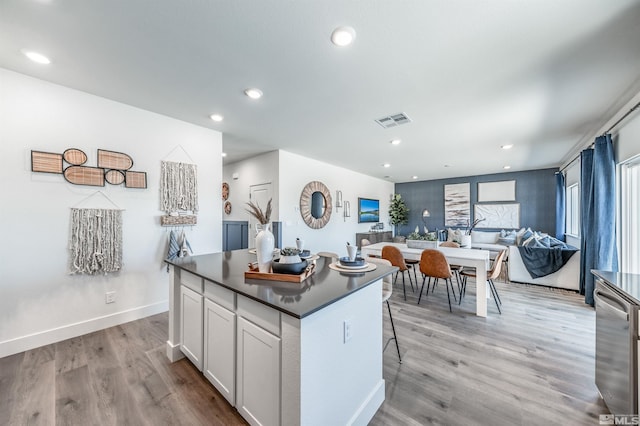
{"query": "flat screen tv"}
(368, 210)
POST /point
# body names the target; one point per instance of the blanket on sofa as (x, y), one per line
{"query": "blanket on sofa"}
(541, 261)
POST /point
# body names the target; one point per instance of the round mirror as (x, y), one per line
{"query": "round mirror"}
(318, 204)
(315, 204)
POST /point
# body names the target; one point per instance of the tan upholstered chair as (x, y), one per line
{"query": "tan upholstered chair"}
(365, 242)
(456, 269)
(492, 274)
(328, 254)
(394, 255)
(387, 290)
(434, 265)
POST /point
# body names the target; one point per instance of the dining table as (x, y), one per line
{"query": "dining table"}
(471, 258)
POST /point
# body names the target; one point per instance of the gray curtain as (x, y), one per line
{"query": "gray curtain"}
(560, 206)
(598, 213)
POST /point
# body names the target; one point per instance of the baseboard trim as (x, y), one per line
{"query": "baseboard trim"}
(173, 352)
(369, 406)
(35, 340)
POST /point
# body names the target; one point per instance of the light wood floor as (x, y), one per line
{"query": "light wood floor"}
(532, 365)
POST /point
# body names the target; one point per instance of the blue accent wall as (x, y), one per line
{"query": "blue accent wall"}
(535, 191)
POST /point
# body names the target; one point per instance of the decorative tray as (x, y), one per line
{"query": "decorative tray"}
(253, 273)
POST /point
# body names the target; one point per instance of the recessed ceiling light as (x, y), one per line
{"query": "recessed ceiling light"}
(343, 36)
(386, 165)
(506, 167)
(507, 146)
(414, 177)
(36, 57)
(216, 117)
(396, 141)
(253, 93)
(224, 154)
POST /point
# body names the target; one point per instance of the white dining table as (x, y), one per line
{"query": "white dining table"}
(473, 258)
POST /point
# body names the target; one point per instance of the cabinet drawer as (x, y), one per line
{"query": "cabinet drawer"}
(222, 296)
(259, 314)
(191, 281)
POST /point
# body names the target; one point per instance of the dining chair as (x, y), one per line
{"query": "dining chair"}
(365, 242)
(492, 274)
(387, 291)
(456, 269)
(328, 254)
(433, 264)
(394, 255)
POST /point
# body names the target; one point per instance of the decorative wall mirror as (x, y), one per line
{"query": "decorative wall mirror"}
(315, 204)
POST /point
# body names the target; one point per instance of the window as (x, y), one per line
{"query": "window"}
(630, 216)
(573, 211)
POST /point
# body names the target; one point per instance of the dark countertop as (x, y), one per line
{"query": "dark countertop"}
(321, 289)
(626, 284)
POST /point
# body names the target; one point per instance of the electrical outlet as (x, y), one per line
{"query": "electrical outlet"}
(110, 297)
(348, 331)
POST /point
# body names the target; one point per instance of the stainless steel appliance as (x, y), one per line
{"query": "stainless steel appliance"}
(616, 342)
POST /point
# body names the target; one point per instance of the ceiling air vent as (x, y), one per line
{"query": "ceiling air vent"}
(393, 120)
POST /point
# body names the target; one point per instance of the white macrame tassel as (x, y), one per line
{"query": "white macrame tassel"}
(95, 241)
(178, 187)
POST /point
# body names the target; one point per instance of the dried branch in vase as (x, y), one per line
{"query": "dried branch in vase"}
(255, 211)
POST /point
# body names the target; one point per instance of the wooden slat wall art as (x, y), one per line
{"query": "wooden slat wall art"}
(83, 175)
(114, 160)
(135, 179)
(75, 157)
(114, 177)
(46, 162)
(113, 167)
(167, 220)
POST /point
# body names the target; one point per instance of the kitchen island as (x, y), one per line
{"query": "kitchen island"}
(281, 353)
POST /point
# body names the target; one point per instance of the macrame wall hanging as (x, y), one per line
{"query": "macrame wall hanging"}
(95, 242)
(178, 193)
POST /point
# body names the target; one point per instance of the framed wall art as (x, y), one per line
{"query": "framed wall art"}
(497, 191)
(498, 215)
(457, 204)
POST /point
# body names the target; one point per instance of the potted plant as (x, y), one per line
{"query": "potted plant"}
(428, 240)
(290, 255)
(398, 212)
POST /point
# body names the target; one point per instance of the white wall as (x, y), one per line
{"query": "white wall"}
(627, 137)
(252, 171)
(296, 171)
(40, 302)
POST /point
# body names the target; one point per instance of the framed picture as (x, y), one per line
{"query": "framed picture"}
(368, 210)
(497, 191)
(498, 215)
(457, 204)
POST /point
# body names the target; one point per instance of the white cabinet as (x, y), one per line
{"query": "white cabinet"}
(191, 325)
(220, 348)
(258, 374)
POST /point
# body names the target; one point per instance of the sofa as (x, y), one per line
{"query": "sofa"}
(567, 277)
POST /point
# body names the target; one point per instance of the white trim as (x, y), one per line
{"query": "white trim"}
(35, 340)
(369, 406)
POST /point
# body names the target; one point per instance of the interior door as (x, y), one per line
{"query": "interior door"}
(260, 195)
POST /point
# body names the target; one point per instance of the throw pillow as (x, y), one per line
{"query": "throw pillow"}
(526, 236)
(454, 235)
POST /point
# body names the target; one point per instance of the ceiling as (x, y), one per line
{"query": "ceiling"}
(472, 75)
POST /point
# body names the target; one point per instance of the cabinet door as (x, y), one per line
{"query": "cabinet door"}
(191, 325)
(258, 374)
(220, 348)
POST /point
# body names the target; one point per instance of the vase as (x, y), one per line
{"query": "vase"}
(265, 244)
(465, 241)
